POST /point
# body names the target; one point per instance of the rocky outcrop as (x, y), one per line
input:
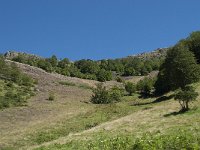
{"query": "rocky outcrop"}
(158, 53)
(12, 54)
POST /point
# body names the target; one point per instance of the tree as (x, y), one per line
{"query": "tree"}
(44, 64)
(193, 42)
(87, 66)
(116, 93)
(130, 88)
(100, 95)
(104, 75)
(145, 86)
(63, 63)
(129, 71)
(178, 70)
(186, 95)
(54, 61)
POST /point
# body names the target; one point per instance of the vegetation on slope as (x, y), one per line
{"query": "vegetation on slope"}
(15, 87)
(103, 70)
(125, 123)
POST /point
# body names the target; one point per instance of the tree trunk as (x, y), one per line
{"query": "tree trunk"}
(186, 105)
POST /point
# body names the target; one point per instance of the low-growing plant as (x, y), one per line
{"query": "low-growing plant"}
(67, 83)
(119, 79)
(179, 139)
(51, 96)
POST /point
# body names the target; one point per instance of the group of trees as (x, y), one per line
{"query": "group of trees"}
(86, 69)
(101, 95)
(180, 69)
(131, 66)
(102, 70)
(15, 86)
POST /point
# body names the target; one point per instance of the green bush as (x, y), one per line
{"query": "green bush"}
(130, 87)
(104, 75)
(119, 79)
(16, 85)
(67, 83)
(51, 96)
(145, 86)
(116, 93)
(103, 96)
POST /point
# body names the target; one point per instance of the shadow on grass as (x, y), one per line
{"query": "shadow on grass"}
(158, 100)
(175, 113)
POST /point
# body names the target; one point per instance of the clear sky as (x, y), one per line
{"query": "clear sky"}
(95, 29)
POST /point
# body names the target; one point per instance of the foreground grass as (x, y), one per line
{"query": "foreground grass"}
(169, 130)
(176, 139)
(99, 114)
(178, 136)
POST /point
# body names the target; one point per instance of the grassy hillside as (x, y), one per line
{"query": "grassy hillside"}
(70, 121)
(62, 114)
(15, 86)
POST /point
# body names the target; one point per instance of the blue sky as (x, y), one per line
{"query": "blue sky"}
(95, 29)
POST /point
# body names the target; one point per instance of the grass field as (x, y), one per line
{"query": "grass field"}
(70, 121)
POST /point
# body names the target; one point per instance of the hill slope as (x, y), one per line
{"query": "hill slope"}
(70, 117)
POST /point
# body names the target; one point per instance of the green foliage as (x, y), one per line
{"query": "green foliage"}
(93, 70)
(81, 122)
(129, 71)
(193, 43)
(51, 96)
(53, 61)
(130, 87)
(103, 96)
(116, 93)
(64, 63)
(179, 139)
(104, 75)
(145, 86)
(45, 64)
(178, 70)
(14, 95)
(119, 79)
(186, 95)
(67, 83)
(87, 66)
(16, 86)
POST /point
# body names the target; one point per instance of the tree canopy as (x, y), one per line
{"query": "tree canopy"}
(179, 69)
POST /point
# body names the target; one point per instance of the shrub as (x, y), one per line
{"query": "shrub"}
(51, 96)
(145, 86)
(130, 88)
(116, 93)
(119, 79)
(104, 75)
(67, 83)
(101, 95)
